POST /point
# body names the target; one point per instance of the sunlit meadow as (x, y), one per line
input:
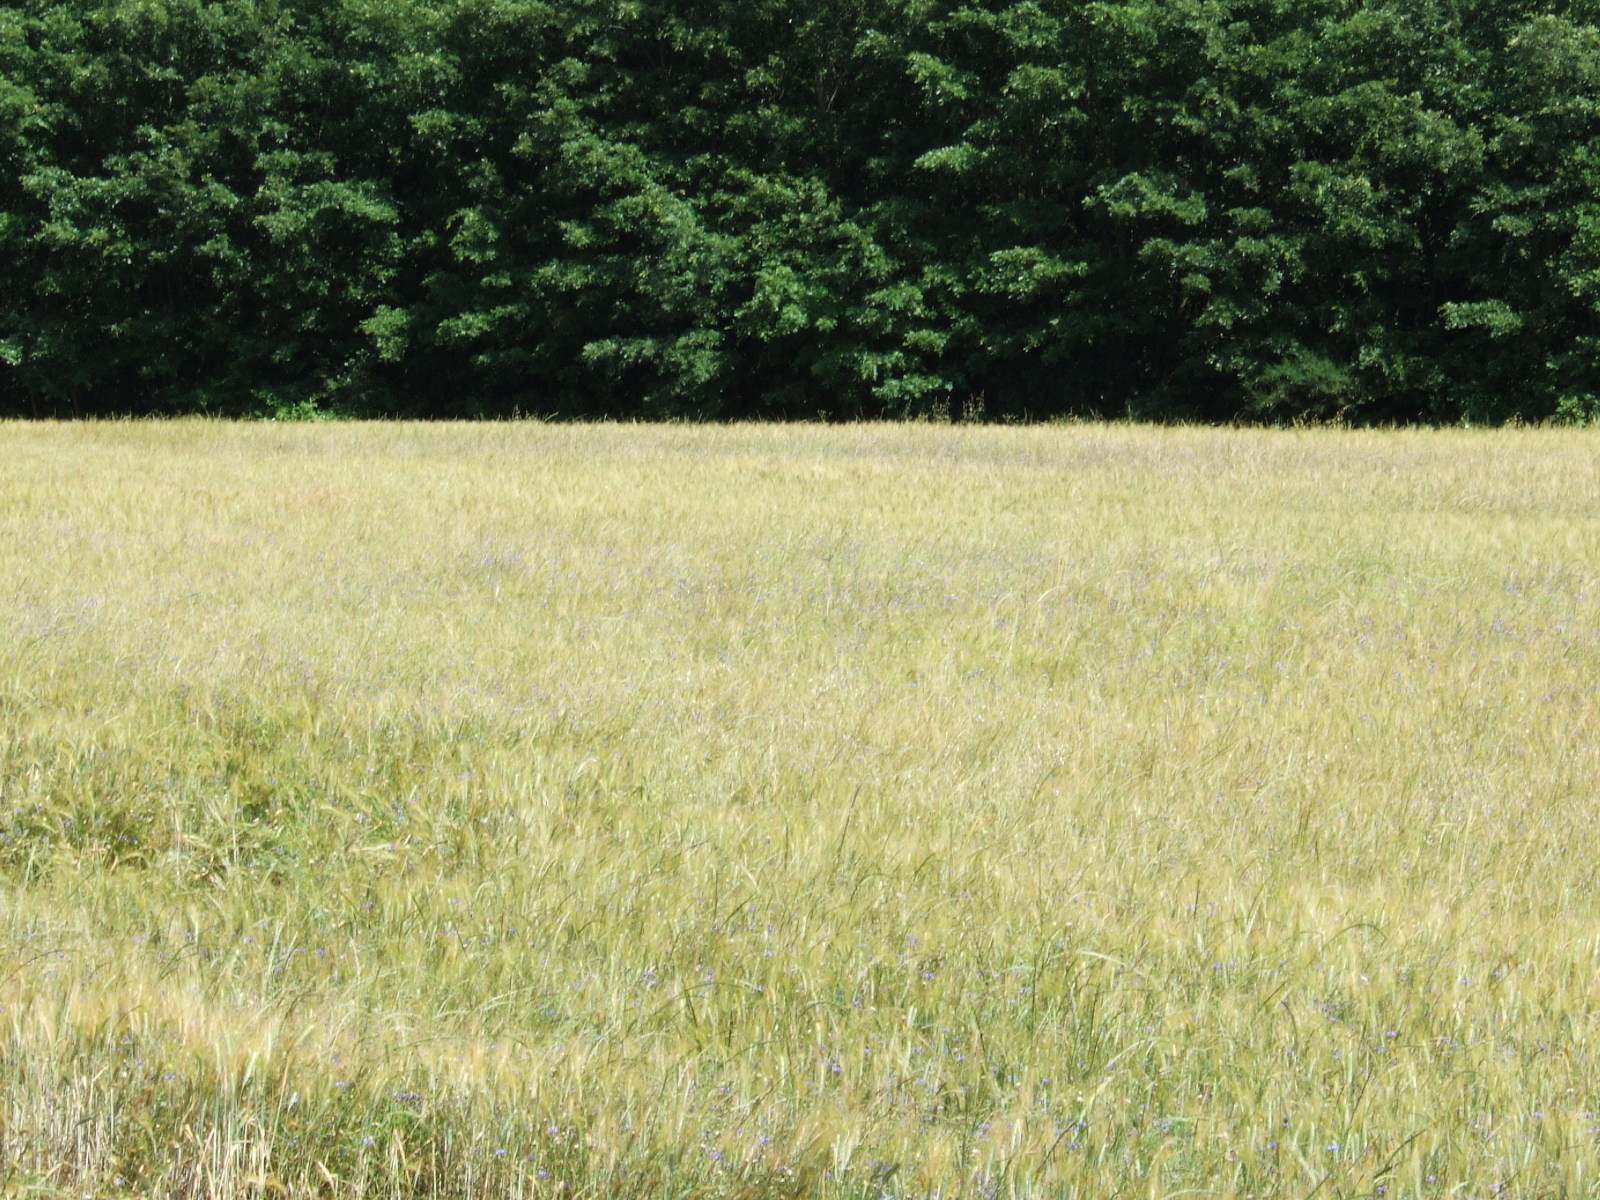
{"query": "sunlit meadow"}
(516, 810)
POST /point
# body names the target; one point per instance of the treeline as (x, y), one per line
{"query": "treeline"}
(1383, 210)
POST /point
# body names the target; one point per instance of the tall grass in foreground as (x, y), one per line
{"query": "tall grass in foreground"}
(558, 812)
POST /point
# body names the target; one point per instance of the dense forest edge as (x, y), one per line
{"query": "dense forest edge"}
(1359, 210)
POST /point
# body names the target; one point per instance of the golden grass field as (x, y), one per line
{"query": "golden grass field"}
(896, 811)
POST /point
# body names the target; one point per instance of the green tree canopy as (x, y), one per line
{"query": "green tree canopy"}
(1381, 210)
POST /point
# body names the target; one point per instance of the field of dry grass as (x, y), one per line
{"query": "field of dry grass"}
(492, 811)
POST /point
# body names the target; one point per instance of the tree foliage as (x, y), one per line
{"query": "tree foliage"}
(1383, 210)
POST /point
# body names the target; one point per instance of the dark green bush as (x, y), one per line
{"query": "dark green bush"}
(1371, 210)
